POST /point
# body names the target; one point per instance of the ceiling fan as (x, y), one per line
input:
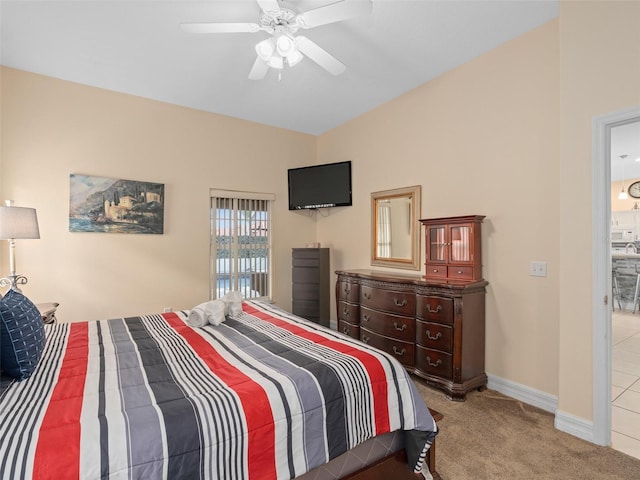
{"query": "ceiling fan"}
(283, 47)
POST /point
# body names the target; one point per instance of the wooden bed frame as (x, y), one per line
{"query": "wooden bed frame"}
(395, 465)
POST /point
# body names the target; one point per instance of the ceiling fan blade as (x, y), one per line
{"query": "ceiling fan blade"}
(269, 5)
(334, 12)
(220, 27)
(259, 69)
(319, 55)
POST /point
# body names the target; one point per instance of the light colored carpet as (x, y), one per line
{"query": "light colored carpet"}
(494, 437)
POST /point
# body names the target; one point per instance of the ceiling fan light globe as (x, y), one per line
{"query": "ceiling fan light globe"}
(285, 45)
(294, 58)
(265, 49)
(276, 61)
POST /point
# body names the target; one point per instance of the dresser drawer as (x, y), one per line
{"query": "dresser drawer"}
(437, 309)
(434, 335)
(305, 291)
(305, 309)
(436, 270)
(460, 273)
(305, 275)
(402, 303)
(349, 312)
(349, 329)
(434, 362)
(395, 326)
(305, 262)
(402, 351)
(348, 291)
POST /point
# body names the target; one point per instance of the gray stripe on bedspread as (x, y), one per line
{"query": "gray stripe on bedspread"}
(143, 427)
(102, 418)
(179, 416)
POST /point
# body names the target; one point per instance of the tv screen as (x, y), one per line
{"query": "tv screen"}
(320, 186)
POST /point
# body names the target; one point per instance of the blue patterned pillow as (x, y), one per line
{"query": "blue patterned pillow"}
(22, 335)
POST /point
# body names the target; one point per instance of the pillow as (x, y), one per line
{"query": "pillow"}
(22, 335)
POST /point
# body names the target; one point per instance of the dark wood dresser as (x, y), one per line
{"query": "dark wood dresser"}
(310, 290)
(436, 329)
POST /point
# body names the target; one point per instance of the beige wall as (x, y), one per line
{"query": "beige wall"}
(482, 139)
(52, 128)
(599, 74)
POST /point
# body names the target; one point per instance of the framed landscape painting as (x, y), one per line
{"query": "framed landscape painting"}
(111, 205)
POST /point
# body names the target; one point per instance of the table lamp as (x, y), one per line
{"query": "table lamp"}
(16, 223)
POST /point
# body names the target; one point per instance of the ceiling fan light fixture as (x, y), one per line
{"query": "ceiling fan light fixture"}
(276, 61)
(265, 49)
(285, 45)
(294, 58)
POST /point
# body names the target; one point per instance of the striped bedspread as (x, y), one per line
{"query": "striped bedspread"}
(264, 395)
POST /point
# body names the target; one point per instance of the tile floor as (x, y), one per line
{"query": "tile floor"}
(625, 379)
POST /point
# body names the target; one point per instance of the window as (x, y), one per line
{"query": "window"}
(240, 243)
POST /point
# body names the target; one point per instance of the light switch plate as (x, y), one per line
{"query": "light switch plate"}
(538, 269)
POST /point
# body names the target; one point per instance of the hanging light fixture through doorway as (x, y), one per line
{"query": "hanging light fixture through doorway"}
(623, 195)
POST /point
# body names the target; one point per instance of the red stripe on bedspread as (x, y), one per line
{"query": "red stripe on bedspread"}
(58, 449)
(255, 402)
(371, 363)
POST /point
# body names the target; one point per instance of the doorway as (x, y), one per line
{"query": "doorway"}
(602, 270)
(625, 260)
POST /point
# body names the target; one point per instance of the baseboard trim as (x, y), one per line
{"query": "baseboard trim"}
(576, 426)
(528, 395)
(565, 422)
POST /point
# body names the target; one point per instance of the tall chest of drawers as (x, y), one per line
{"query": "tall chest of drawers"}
(310, 291)
(436, 330)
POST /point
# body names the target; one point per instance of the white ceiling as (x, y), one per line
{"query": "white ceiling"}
(137, 47)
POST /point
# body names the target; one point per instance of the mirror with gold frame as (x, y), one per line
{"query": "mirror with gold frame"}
(395, 233)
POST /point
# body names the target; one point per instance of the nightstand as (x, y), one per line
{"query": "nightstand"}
(48, 311)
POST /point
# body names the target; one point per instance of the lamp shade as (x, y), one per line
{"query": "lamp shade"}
(18, 222)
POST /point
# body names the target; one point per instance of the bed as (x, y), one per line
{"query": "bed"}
(263, 395)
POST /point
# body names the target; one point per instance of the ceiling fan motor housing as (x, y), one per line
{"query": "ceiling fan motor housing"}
(282, 21)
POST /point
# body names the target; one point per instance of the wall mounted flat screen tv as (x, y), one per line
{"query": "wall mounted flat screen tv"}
(319, 186)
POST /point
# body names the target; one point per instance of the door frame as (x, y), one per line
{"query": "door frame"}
(601, 245)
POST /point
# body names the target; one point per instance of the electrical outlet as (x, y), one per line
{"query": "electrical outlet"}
(538, 269)
(167, 309)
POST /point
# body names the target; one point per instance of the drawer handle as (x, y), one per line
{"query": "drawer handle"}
(367, 295)
(400, 304)
(346, 312)
(347, 291)
(459, 272)
(400, 353)
(438, 335)
(345, 330)
(400, 329)
(366, 317)
(435, 270)
(437, 364)
(430, 310)
(365, 339)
